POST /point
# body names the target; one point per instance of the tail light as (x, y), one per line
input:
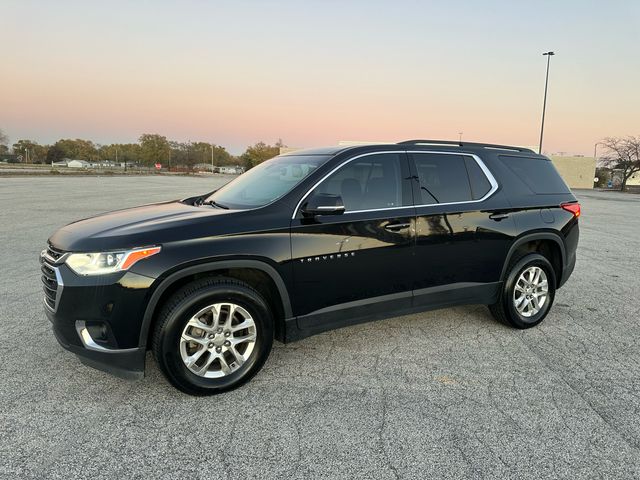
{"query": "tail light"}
(572, 207)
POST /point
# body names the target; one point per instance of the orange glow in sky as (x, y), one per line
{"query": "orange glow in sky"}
(314, 73)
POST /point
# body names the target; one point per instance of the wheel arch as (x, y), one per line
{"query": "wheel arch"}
(536, 239)
(180, 277)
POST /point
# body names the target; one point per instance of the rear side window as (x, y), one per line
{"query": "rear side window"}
(443, 178)
(480, 185)
(538, 174)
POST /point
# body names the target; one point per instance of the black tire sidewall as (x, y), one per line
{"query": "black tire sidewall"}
(171, 360)
(522, 264)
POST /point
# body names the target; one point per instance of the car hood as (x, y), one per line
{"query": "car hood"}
(137, 227)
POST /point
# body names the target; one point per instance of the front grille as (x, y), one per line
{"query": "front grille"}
(54, 252)
(50, 284)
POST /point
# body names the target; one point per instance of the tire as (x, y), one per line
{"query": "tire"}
(505, 309)
(187, 328)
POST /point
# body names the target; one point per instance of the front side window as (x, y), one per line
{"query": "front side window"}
(266, 182)
(371, 182)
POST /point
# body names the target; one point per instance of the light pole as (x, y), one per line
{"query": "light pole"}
(595, 158)
(544, 102)
(211, 157)
(595, 148)
(460, 137)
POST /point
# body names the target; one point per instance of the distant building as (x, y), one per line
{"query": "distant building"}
(203, 167)
(576, 171)
(231, 170)
(284, 150)
(634, 180)
(79, 164)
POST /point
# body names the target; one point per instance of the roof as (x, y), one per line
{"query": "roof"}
(432, 144)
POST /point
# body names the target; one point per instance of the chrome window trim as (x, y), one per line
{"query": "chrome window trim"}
(487, 173)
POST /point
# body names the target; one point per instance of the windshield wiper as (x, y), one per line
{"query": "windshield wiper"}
(213, 203)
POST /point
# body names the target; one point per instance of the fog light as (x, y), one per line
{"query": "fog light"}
(90, 335)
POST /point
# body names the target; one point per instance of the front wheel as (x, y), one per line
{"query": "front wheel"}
(527, 294)
(212, 336)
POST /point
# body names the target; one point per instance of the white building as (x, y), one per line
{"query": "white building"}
(232, 170)
(79, 164)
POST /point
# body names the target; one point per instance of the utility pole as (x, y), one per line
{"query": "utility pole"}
(544, 102)
(211, 158)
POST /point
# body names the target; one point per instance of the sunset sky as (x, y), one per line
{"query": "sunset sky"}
(316, 72)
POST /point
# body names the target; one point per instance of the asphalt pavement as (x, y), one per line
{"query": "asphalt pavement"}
(444, 394)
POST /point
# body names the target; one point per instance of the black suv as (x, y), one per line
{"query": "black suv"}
(306, 242)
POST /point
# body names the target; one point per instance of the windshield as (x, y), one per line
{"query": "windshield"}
(266, 182)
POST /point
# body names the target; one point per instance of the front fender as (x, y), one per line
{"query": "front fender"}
(209, 266)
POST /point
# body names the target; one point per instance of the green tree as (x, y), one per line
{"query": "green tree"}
(28, 149)
(40, 153)
(55, 154)
(260, 152)
(154, 148)
(78, 149)
(177, 153)
(221, 156)
(129, 152)
(203, 152)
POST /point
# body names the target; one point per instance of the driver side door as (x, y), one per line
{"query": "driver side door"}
(353, 266)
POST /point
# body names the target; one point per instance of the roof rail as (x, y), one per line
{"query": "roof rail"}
(466, 144)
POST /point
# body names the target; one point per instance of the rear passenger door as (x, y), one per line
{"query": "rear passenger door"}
(359, 262)
(462, 229)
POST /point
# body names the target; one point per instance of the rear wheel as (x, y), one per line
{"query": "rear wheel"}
(213, 335)
(528, 292)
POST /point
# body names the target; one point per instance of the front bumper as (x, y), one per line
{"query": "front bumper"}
(98, 318)
(122, 362)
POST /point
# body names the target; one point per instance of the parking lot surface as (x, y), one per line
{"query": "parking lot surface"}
(443, 394)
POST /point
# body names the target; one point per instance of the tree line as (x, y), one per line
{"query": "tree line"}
(150, 149)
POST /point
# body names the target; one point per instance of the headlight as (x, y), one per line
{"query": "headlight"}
(107, 262)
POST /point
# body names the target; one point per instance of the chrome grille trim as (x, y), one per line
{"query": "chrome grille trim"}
(53, 256)
(52, 283)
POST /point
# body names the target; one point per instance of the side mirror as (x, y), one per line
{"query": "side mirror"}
(323, 204)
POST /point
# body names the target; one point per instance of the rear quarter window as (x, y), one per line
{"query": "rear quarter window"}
(538, 174)
(480, 185)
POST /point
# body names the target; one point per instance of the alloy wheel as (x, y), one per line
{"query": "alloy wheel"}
(531, 291)
(218, 340)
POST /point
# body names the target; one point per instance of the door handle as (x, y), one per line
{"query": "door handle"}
(498, 216)
(395, 227)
